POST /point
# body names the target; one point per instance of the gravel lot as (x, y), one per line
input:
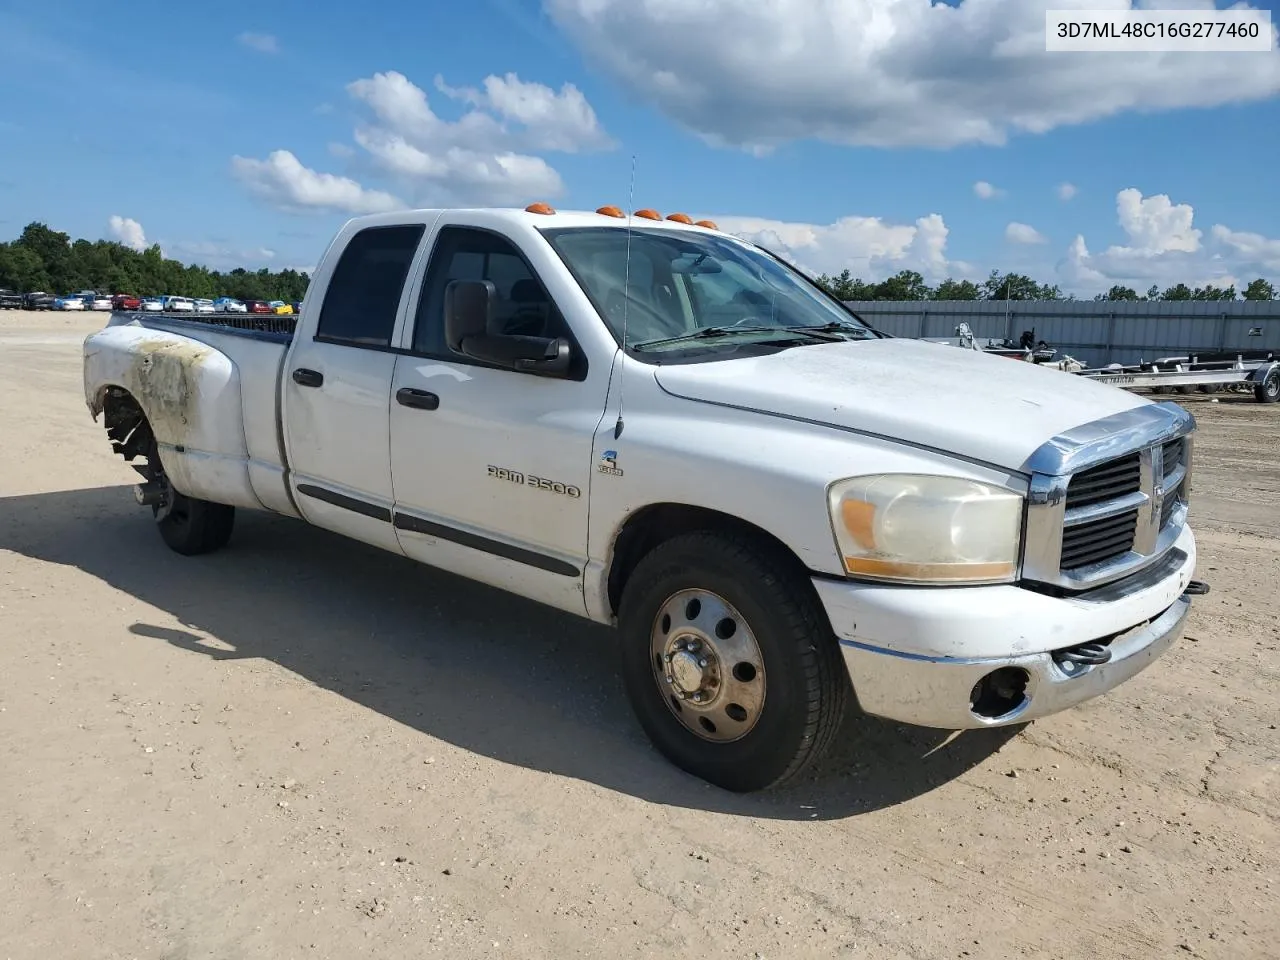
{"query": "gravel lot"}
(300, 747)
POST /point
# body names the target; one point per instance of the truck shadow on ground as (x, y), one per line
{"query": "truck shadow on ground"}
(471, 665)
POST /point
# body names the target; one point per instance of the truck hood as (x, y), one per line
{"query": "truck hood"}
(963, 402)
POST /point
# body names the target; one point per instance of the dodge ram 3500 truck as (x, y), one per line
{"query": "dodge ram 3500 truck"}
(653, 424)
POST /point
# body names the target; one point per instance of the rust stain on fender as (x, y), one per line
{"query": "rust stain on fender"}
(165, 375)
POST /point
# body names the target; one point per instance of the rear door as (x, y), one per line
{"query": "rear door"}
(337, 386)
(491, 467)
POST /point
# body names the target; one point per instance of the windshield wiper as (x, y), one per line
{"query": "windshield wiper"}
(837, 326)
(711, 333)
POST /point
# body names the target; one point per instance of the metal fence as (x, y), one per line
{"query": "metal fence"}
(1094, 332)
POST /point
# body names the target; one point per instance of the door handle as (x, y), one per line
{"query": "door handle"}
(308, 378)
(418, 399)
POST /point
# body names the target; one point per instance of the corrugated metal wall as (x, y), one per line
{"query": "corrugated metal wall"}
(1093, 332)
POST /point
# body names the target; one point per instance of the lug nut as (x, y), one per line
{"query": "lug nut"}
(697, 698)
(702, 663)
(670, 679)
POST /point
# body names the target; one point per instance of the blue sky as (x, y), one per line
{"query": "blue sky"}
(848, 134)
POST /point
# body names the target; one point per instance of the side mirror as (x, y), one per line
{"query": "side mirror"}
(468, 312)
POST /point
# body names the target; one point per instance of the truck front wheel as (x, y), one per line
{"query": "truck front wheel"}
(729, 662)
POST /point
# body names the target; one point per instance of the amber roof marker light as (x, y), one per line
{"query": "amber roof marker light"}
(610, 211)
(543, 208)
(649, 214)
(680, 218)
(709, 224)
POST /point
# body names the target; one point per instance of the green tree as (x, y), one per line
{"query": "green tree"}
(1210, 292)
(1017, 286)
(950, 289)
(1119, 293)
(904, 285)
(45, 259)
(1179, 291)
(1259, 290)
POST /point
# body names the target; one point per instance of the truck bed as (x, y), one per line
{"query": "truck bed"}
(209, 386)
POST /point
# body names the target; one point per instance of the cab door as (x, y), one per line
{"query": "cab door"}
(491, 467)
(337, 388)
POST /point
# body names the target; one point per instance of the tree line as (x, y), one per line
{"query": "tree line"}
(48, 260)
(909, 285)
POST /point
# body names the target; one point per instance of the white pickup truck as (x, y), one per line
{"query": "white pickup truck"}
(656, 425)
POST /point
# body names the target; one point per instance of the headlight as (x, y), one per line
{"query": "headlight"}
(925, 529)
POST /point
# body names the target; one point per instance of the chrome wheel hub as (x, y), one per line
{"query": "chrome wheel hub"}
(708, 665)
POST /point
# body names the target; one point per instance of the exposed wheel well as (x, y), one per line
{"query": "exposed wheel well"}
(659, 522)
(126, 424)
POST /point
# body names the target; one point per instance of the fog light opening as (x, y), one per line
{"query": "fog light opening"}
(1000, 693)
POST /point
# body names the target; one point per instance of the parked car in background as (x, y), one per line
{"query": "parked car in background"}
(204, 305)
(125, 301)
(257, 306)
(229, 305)
(297, 306)
(70, 302)
(39, 300)
(152, 304)
(10, 300)
(280, 307)
(180, 304)
(99, 302)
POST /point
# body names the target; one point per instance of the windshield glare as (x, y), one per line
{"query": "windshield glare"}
(681, 282)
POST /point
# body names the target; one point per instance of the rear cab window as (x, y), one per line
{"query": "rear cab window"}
(363, 296)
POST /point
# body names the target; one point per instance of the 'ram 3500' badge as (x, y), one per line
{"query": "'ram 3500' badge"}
(609, 463)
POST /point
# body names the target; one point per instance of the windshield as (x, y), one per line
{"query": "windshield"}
(682, 284)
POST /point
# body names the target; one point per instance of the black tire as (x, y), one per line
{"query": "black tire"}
(1210, 387)
(1160, 390)
(191, 526)
(1269, 390)
(187, 525)
(802, 677)
(1186, 388)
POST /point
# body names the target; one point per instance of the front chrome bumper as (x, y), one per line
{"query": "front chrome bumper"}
(937, 693)
(916, 655)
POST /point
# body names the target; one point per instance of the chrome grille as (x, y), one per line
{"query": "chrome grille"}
(1098, 541)
(1102, 512)
(1106, 482)
(1108, 498)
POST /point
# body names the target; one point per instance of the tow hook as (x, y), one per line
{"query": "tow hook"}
(1196, 588)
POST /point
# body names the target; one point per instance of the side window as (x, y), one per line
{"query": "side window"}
(364, 293)
(461, 253)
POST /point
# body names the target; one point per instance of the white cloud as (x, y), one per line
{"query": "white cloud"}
(561, 121)
(261, 42)
(1022, 233)
(1163, 247)
(1067, 191)
(486, 155)
(1260, 253)
(1155, 224)
(282, 180)
(986, 191)
(886, 72)
(867, 247)
(127, 231)
(218, 256)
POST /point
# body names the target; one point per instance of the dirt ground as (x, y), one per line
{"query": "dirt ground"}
(300, 747)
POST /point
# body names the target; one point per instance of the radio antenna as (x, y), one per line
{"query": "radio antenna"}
(626, 295)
